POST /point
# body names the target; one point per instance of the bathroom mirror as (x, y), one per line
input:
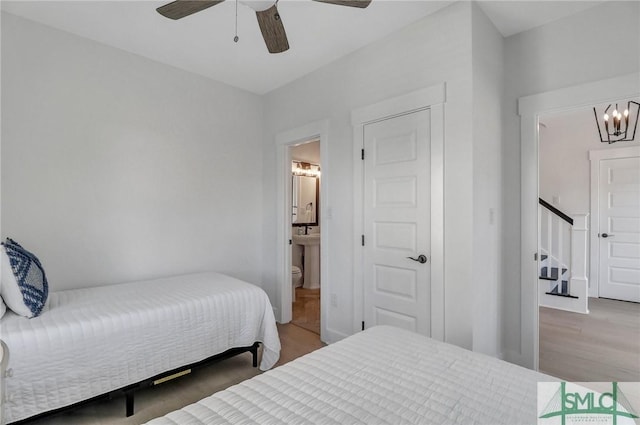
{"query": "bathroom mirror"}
(304, 200)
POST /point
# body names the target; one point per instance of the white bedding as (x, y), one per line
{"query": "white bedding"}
(88, 342)
(383, 375)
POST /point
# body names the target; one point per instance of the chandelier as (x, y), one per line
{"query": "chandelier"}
(618, 126)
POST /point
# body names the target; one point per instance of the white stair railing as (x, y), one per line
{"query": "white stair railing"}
(563, 242)
(579, 256)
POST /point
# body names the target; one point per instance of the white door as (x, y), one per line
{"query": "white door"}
(619, 230)
(397, 222)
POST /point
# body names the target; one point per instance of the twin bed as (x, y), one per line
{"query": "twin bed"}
(96, 341)
(383, 375)
(90, 342)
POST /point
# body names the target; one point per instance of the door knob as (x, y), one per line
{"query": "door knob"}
(421, 259)
(605, 235)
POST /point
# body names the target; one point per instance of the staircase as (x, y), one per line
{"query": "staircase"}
(562, 281)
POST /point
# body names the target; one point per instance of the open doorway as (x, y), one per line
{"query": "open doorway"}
(305, 235)
(588, 193)
(313, 132)
(530, 108)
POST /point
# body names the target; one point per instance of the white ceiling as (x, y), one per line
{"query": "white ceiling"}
(512, 17)
(318, 33)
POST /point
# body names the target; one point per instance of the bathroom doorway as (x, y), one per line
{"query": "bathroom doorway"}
(286, 141)
(305, 235)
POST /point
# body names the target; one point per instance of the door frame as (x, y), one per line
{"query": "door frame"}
(595, 156)
(432, 98)
(318, 130)
(529, 109)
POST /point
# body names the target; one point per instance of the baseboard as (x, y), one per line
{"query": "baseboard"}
(578, 288)
(332, 336)
(515, 357)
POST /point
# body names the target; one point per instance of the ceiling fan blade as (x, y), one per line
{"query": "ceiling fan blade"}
(181, 8)
(353, 3)
(273, 30)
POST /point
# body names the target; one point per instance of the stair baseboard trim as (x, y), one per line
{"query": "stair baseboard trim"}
(562, 295)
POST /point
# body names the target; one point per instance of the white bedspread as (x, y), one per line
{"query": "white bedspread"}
(91, 341)
(384, 375)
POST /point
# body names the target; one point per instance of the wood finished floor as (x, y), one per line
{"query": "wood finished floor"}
(601, 346)
(306, 309)
(157, 401)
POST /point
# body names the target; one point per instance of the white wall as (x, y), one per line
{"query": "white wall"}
(307, 152)
(428, 52)
(570, 51)
(116, 168)
(488, 57)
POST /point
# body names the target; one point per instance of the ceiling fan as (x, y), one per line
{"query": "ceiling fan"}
(266, 11)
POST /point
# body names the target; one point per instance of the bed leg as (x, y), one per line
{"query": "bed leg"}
(254, 352)
(128, 395)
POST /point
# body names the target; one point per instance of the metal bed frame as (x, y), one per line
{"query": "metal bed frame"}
(129, 390)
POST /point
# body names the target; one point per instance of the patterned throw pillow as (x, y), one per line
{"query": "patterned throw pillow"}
(32, 287)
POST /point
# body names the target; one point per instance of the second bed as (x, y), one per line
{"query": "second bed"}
(383, 375)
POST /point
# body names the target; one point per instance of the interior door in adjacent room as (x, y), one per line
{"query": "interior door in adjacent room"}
(619, 229)
(397, 223)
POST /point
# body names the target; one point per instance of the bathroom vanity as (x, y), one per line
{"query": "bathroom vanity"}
(311, 266)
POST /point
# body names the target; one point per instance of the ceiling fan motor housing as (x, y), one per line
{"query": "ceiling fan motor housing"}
(258, 5)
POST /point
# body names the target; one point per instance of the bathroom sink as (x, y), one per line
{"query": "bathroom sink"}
(311, 248)
(312, 239)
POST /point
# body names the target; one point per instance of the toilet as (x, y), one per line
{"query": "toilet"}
(296, 280)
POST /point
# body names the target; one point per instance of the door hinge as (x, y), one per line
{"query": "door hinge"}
(362, 154)
(290, 242)
(363, 325)
(535, 256)
(362, 240)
